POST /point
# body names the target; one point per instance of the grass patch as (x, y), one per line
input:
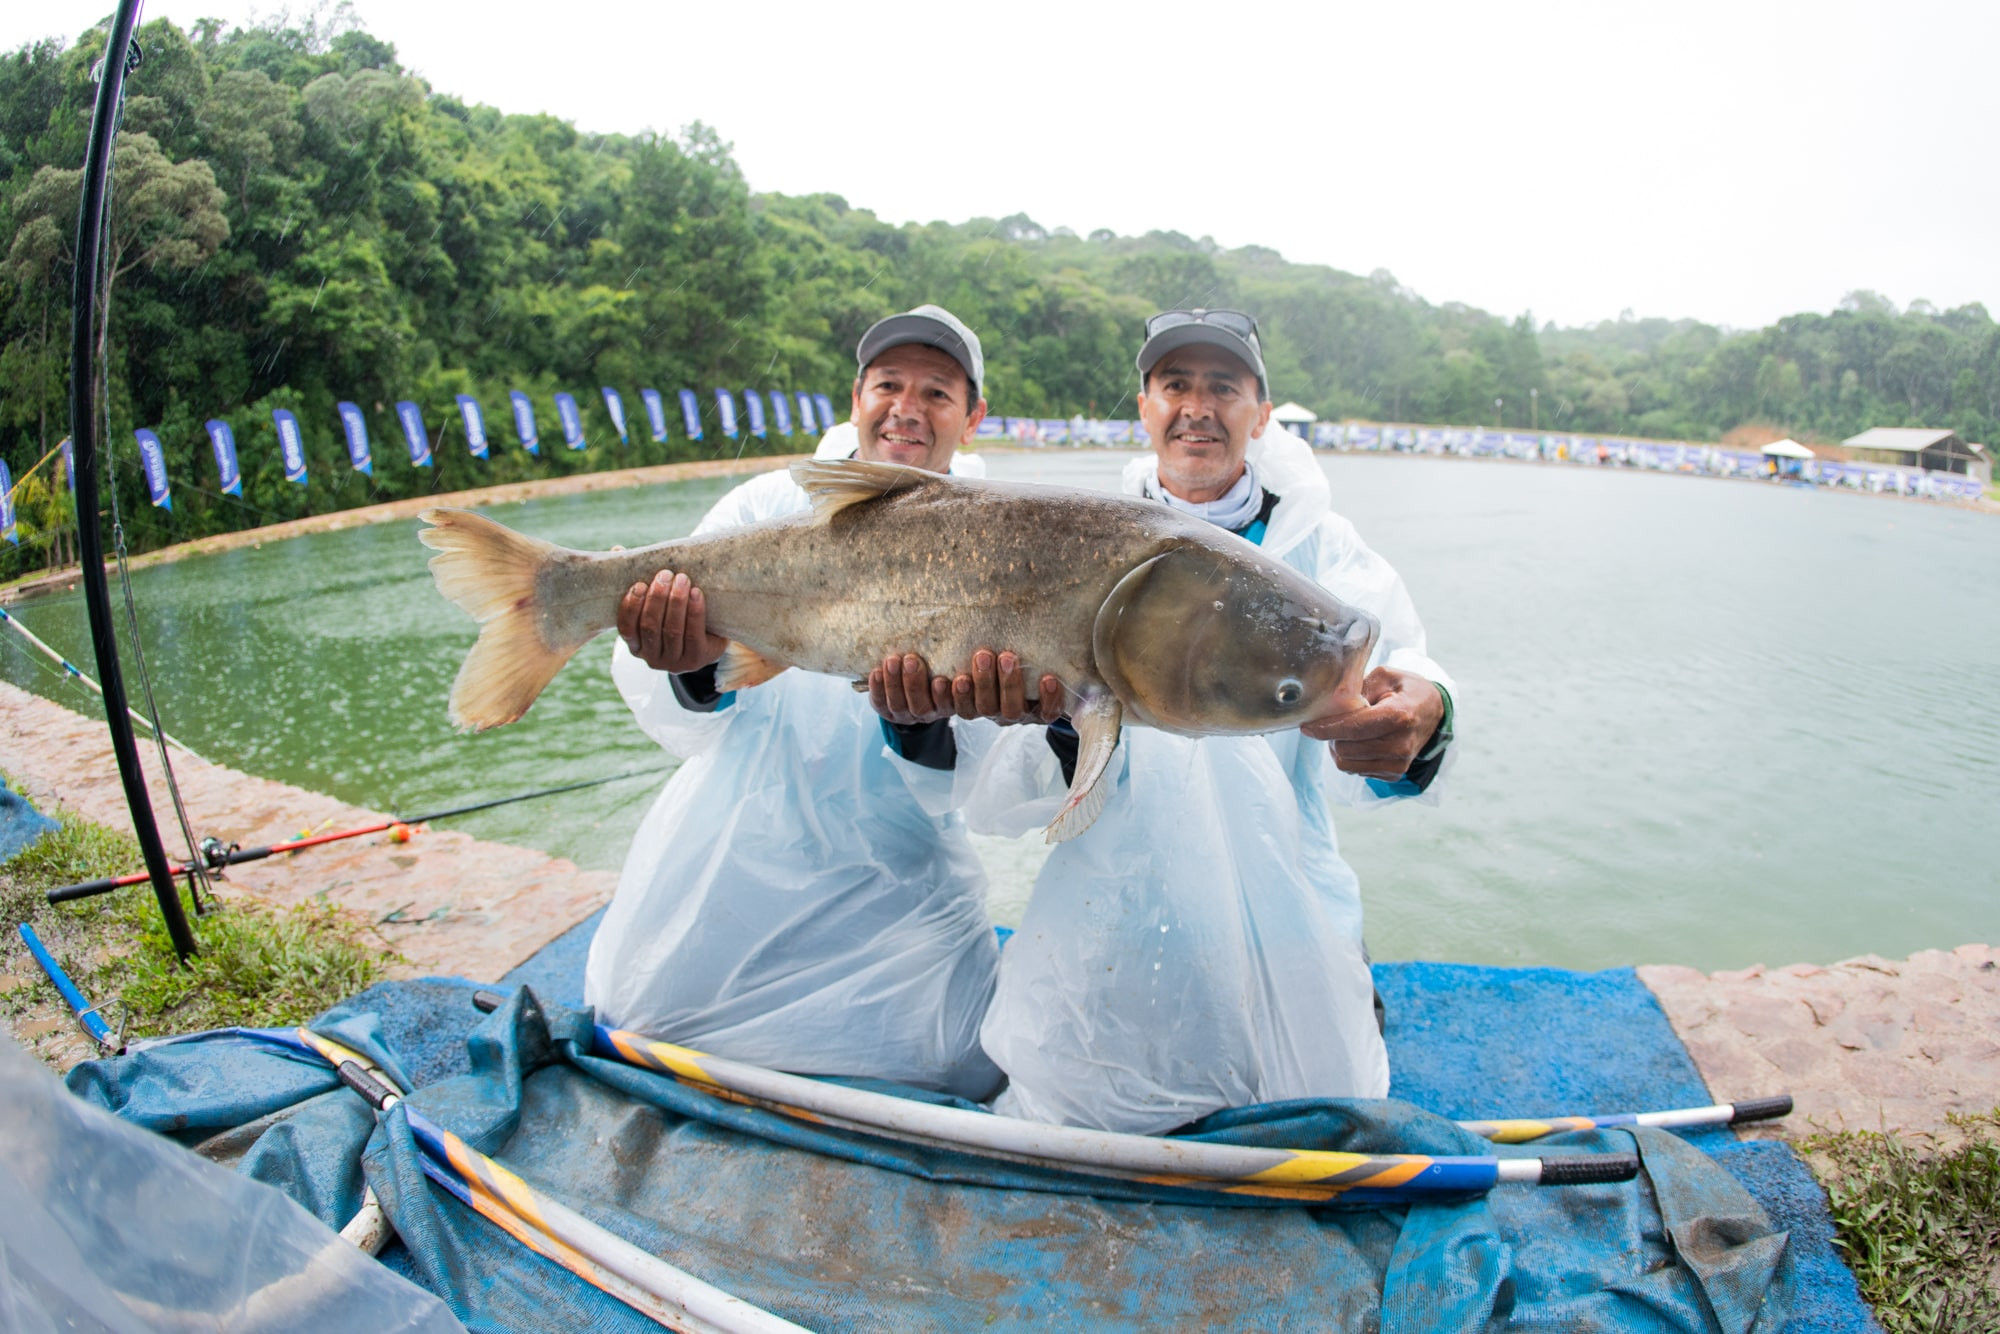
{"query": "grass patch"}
(1920, 1230)
(258, 966)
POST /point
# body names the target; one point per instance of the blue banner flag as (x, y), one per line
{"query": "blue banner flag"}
(753, 409)
(291, 445)
(691, 414)
(825, 406)
(356, 428)
(223, 441)
(572, 421)
(656, 412)
(69, 463)
(524, 423)
(725, 404)
(475, 424)
(154, 459)
(414, 431)
(616, 407)
(806, 415)
(8, 528)
(781, 413)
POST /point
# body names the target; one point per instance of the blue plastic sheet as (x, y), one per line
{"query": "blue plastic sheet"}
(837, 1232)
(20, 823)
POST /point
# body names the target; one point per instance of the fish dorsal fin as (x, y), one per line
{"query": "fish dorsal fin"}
(1097, 725)
(834, 484)
(741, 667)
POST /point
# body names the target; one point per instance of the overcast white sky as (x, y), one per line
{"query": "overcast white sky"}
(1732, 161)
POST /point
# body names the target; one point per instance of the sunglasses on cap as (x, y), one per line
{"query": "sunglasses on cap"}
(1235, 321)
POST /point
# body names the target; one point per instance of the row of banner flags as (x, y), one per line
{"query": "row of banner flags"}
(1657, 455)
(814, 417)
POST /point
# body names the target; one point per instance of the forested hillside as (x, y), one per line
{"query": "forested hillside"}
(298, 221)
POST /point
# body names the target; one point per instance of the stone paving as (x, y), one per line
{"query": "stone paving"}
(1863, 1044)
(447, 902)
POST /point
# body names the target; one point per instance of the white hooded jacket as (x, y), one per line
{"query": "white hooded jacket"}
(787, 901)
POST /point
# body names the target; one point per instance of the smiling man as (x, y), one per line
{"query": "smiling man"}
(787, 900)
(1200, 947)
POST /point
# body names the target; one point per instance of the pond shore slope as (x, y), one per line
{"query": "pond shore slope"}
(62, 580)
(1863, 1044)
(450, 904)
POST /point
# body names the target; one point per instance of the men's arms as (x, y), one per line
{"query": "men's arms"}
(1383, 740)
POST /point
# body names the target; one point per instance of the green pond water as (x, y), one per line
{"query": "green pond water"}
(1700, 721)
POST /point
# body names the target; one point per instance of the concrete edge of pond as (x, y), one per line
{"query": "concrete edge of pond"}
(1863, 1044)
(450, 904)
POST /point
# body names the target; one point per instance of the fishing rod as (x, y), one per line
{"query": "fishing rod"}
(121, 56)
(215, 856)
(86, 1013)
(76, 673)
(1522, 1130)
(1313, 1176)
(663, 1293)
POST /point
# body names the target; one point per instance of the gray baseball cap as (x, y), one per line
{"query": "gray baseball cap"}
(933, 326)
(1231, 330)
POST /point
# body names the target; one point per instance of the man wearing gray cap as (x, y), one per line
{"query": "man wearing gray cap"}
(1204, 937)
(787, 900)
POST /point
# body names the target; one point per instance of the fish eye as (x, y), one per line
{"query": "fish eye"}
(1290, 691)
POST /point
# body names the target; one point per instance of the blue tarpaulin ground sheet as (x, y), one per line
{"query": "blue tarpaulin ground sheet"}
(20, 823)
(837, 1232)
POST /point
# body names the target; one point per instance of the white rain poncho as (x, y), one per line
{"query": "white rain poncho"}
(787, 900)
(1199, 947)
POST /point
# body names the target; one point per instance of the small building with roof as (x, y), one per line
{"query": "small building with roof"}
(1787, 457)
(1294, 418)
(1918, 447)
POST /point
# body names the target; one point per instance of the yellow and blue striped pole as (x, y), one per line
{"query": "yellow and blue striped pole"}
(1520, 1130)
(1311, 1176)
(649, 1285)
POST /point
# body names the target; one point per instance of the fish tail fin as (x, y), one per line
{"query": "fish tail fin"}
(490, 571)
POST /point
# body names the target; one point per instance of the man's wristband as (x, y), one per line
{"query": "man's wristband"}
(1442, 736)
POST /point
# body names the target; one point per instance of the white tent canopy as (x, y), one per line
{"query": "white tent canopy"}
(1788, 448)
(1288, 413)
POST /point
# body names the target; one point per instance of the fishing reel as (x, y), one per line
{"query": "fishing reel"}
(215, 854)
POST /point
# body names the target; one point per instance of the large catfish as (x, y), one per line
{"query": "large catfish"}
(1143, 613)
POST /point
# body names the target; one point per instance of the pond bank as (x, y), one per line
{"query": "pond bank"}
(448, 903)
(1865, 1043)
(57, 581)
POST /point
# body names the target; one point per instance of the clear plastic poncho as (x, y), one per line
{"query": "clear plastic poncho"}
(1200, 946)
(788, 901)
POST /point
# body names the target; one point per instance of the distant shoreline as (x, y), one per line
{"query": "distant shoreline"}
(64, 580)
(389, 511)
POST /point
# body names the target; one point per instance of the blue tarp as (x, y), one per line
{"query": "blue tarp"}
(864, 1236)
(20, 823)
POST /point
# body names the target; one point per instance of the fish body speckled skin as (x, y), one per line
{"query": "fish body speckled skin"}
(939, 570)
(1143, 613)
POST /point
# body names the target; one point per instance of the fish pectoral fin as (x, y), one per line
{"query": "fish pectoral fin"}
(1097, 724)
(834, 484)
(741, 667)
